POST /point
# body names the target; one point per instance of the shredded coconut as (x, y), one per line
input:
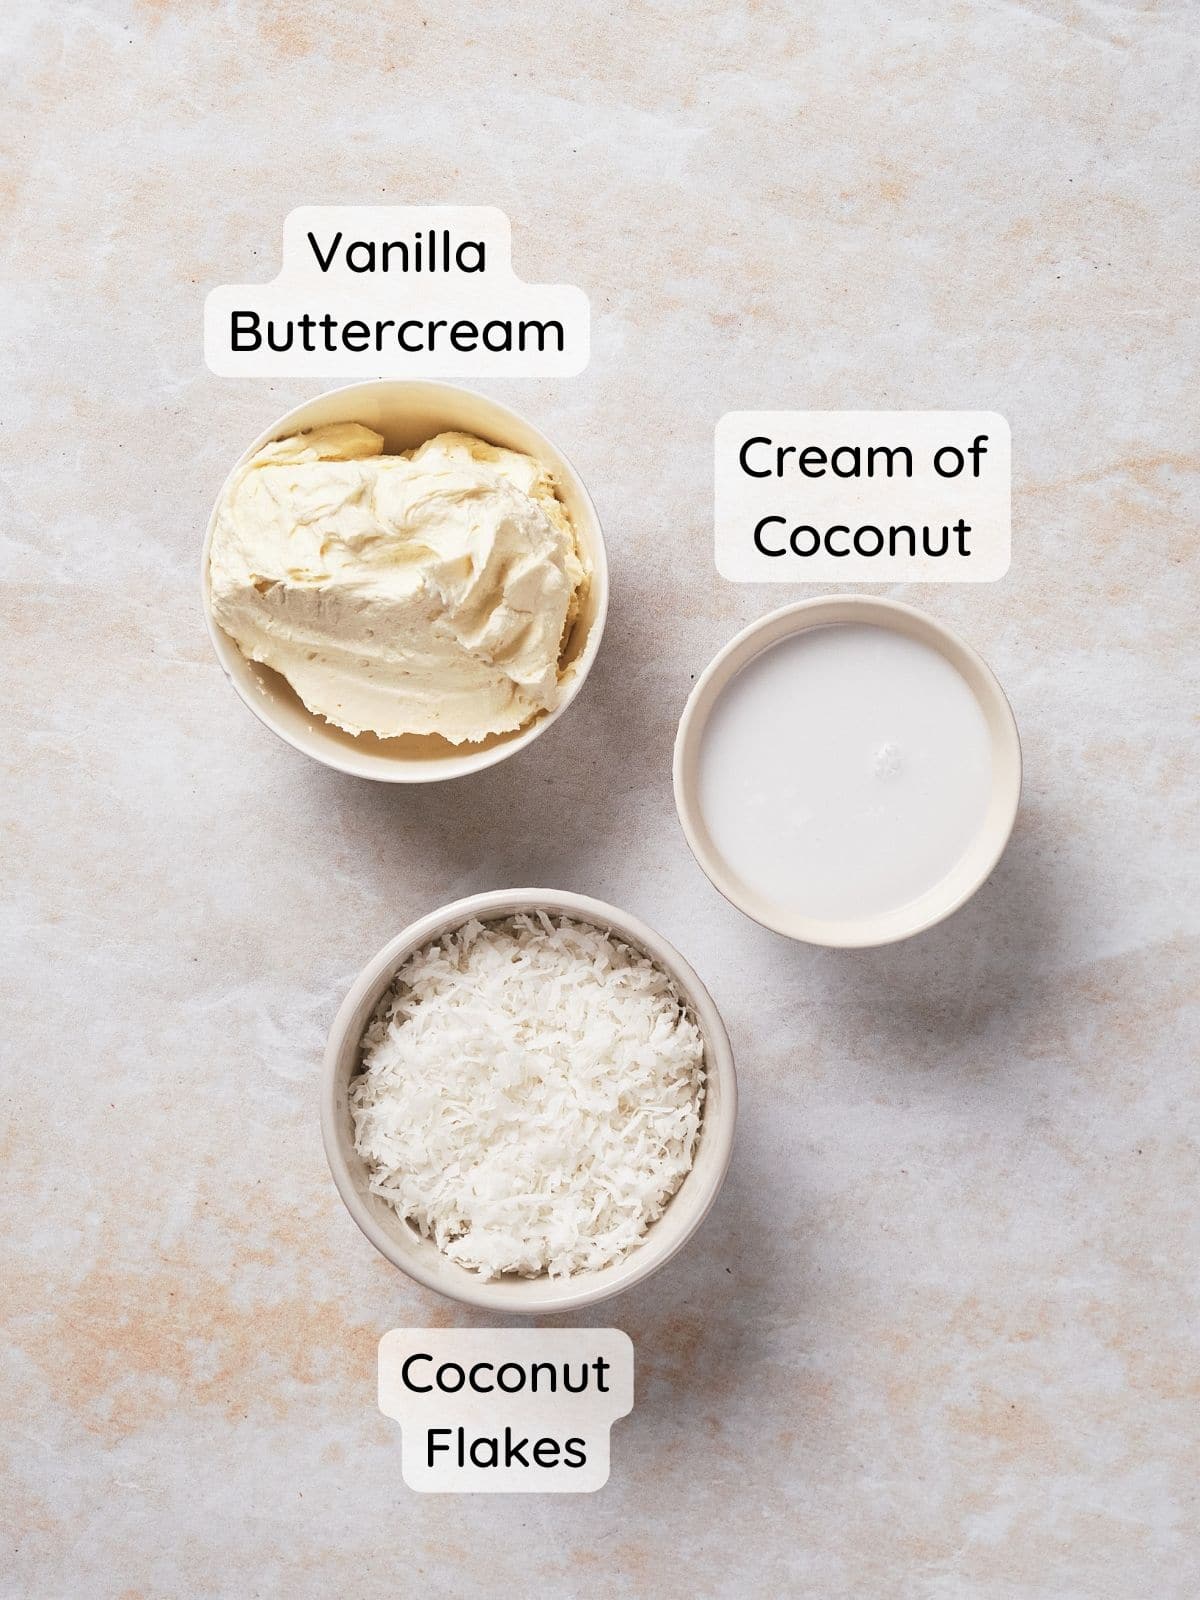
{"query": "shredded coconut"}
(530, 1095)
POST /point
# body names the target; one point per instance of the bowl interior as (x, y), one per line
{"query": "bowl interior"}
(420, 1258)
(972, 867)
(406, 414)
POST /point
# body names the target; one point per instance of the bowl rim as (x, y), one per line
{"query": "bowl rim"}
(511, 1294)
(889, 927)
(399, 769)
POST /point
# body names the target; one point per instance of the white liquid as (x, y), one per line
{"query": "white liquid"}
(844, 771)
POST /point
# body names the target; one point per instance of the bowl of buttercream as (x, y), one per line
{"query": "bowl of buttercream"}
(406, 581)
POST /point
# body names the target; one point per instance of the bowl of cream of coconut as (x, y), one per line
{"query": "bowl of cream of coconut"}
(847, 771)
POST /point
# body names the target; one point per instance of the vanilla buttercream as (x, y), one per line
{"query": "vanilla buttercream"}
(426, 592)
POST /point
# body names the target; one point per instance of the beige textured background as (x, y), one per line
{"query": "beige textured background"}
(939, 1339)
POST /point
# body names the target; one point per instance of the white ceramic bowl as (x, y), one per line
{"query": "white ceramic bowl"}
(406, 414)
(420, 1258)
(973, 867)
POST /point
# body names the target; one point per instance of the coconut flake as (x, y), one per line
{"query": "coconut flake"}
(530, 1095)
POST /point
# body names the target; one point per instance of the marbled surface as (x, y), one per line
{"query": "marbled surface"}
(939, 1338)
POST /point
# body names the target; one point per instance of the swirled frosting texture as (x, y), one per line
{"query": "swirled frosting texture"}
(426, 592)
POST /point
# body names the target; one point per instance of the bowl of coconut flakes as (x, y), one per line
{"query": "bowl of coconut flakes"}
(528, 1101)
